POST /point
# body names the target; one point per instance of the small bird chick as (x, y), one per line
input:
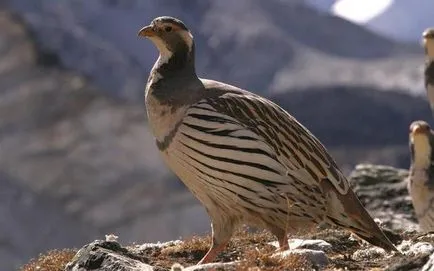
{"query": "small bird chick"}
(428, 43)
(245, 158)
(421, 178)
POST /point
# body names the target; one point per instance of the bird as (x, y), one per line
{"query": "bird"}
(421, 176)
(428, 42)
(245, 158)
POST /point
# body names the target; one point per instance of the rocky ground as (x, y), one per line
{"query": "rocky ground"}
(322, 249)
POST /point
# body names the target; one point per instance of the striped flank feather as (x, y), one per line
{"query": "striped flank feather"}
(248, 160)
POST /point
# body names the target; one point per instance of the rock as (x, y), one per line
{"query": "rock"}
(110, 255)
(368, 253)
(252, 251)
(429, 266)
(414, 263)
(106, 256)
(316, 244)
(230, 266)
(411, 248)
(318, 258)
(383, 191)
(159, 245)
(416, 256)
(313, 250)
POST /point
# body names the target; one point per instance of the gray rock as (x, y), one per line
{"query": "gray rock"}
(429, 266)
(106, 256)
(110, 256)
(231, 266)
(414, 263)
(306, 243)
(317, 257)
(412, 248)
(368, 253)
(383, 191)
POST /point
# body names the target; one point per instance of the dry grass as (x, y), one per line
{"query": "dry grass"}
(190, 250)
(252, 249)
(54, 260)
(262, 259)
(253, 252)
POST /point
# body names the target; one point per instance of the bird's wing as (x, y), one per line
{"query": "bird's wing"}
(304, 157)
(321, 187)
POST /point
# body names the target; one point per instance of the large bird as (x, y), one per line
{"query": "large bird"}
(244, 158)
(421, 178)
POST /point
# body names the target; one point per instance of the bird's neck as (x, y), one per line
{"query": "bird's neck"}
(173, 79)
(180, 63)
(429, 49)
(172, 85)
(421, 152)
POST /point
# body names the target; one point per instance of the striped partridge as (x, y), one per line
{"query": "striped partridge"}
(421, 178)
(242, 156)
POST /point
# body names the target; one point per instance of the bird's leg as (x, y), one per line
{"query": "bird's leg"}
(283, 243)
(212, 253)
(221, 234)
(281, 237)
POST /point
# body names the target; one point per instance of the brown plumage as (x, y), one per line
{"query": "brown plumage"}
(244, 158)
(421, 178)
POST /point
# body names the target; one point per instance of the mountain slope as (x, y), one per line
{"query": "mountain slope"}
(92, 37)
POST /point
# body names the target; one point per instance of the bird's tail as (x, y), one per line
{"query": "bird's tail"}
(347, 211)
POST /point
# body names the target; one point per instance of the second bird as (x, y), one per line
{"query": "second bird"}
(421, 178)
(244, 158)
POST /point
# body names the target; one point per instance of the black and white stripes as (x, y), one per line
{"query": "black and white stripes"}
(246, 159)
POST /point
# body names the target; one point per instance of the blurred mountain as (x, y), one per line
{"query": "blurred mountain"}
(76, 158)
(284, 43)
(400, 20)
(76, 163)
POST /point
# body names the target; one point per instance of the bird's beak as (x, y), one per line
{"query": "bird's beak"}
(147, 31)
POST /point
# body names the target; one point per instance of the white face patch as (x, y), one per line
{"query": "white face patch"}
(188, 39)
(165, 54)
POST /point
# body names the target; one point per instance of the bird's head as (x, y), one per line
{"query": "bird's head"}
(421, 139)
(170, 36)
(428, 42)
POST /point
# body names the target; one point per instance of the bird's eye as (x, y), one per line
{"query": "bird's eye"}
(168, 28)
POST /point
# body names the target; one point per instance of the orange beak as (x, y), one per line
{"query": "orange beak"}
(147, 31)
